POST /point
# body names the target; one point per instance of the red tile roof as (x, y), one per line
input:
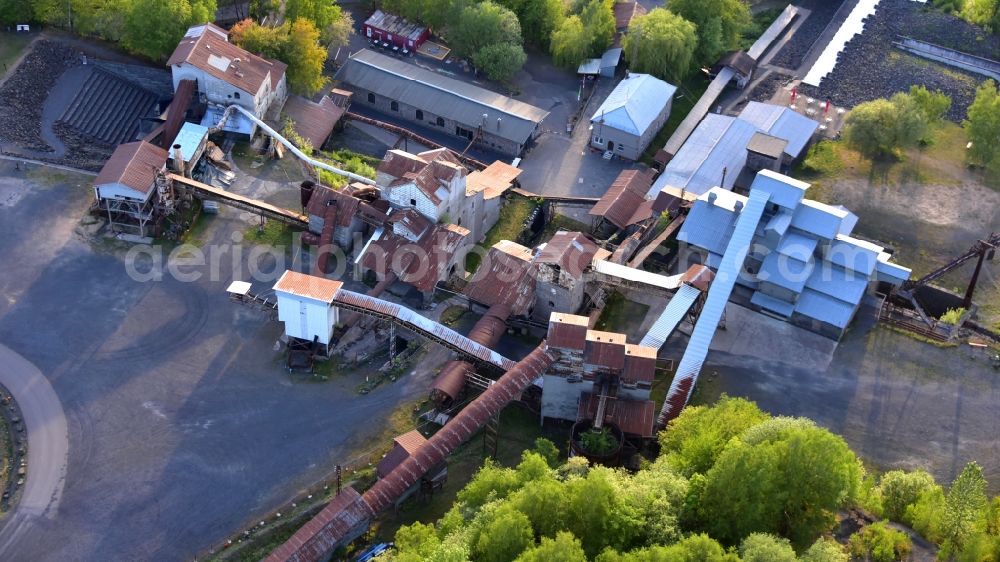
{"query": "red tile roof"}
(133, 165)
(571, 251)
(308, 286)
(207, 48)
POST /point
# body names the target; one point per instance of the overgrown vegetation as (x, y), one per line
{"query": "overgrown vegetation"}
(297, 44)
(661, 43)
(952, 316)
(983, 128)
(509, 226)
(275, 234)
(598, 442)
(881, 128)
(349, 161)
(731, 484)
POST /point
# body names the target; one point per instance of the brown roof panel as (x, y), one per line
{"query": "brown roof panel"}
(634, 417)
(313, 121)
(640, 363)
(207, 48)
(568, 331)
(493, 181)
(322, 197)
(698, 276)
(605, 349)
(505, 276)
(571, 251)
(421, 263)
(622, 201)
(626, 11)
(134, 165)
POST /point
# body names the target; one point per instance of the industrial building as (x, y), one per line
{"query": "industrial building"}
(716, 153)
(226, 74)
(631, 115)
(624, 205)
(560, 264)
(188, 148)
(126, 188)
(803, 265)
(405, 91)
(305, 306)
(390, 30)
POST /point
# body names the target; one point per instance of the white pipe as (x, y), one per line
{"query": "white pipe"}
(267, 129)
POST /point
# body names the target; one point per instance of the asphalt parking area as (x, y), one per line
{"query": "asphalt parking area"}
(182, 424)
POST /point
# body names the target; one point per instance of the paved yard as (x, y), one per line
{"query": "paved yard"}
(182, 424)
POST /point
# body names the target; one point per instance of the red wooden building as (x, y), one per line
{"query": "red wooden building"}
(395, 31)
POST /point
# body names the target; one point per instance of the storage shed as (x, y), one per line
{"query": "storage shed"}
(305, 305)
(395, 31)
(632, 115)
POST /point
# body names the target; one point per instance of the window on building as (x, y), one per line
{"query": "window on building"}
(459, 223)
(394, 106)
(236, 95)
(440, 121)
(413, 202)
(420, 115)
(371, 97)
(368, 31)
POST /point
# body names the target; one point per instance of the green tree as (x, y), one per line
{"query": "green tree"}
(570, 43)
(899, 490)
(104, 19)
(548, 450)
(539, 18)
(492, 482)
(564, 548)
(334, 24)
(305, 58)
(661, 43)
(483, 24)
(598, 19)
(926, 515)
(880, 543)
(762, 547)
(544, 503)
(934, 105)
(983, 127)
(258, 39)
(965, 507)
(695, 439)
(504, 536)
(720, 24)
(154, 27)
(879, 127)
(825, 550)
(596, 513)
(790, 483)
(985, 13)
(500, 61)
(656, 495)
(693, 548)
(16, 11)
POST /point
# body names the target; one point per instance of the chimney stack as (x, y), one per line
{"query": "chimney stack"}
(178, 159)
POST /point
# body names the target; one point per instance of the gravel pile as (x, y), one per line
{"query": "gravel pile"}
(870, 67)
(790, 56)
(23, 94)
(81, 151)
(768, 86)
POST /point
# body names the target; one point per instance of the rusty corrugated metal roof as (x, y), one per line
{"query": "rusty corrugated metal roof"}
(640, 363)
(344, 518)
(487, 331)
(313, 121)
(605, 349)
(506, 276)
(571, 251)
(625, 199)
(133, 164)
(568, 331)
(309, 286)
(206, 47)
(631, 416)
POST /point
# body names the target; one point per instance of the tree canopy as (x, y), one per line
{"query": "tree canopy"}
(661, 43)
(296, 44)
(982, 126)
(720, 25)
(570, 43)
(880, 127)
(154, 27)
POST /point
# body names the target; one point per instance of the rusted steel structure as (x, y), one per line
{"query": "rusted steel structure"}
(356, 302)
(451, 380)
(339, 522)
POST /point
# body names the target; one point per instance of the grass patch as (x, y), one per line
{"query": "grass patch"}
(508, 227)
(619, 313)
(347, 160)
(11, 46)
(562, 222)
(688, 93)
(275, 234)
(453, 314)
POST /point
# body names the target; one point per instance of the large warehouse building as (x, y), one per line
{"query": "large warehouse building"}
(400, 89)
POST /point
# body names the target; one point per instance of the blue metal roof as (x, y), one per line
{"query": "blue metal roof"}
(634, 103)
(853, 254)
(785, 191)
(190, 137)
(772, 304)
(796, 246)
(781, 122)
(671, 316)
(838, 283)
(779, 222)
(708, 224)
(891, 272)
(784, 271)
(719, 143)
(818, 218)
(824, 308)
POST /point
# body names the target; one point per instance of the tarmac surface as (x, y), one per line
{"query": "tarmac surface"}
(182, 424)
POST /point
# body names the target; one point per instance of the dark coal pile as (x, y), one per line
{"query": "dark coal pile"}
(870, 67)
(791, 55)
(82, 152)
(23, 94)
(768, 86)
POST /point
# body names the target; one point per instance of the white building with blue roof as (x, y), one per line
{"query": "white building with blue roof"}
(631, 115)
(802, 264)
